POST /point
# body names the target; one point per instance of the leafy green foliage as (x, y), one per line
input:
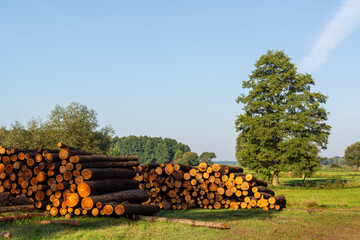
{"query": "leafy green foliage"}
(75, 125)
(190, 158)
(337, 160)
(352, 155)
(149, 149)
(207, 157)
(335, 165)
(283, 124)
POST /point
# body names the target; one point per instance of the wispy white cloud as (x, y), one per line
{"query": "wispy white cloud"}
(345, 21)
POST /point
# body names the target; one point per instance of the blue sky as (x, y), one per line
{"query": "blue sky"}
(174, 68)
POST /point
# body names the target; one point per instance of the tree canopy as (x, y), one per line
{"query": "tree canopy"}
(75, 125)
(149, 149)
(207, 157)
(352, 155)
(191, 158)
(283, 123)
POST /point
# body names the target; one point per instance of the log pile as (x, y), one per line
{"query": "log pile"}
(178, 186)
(69, 182)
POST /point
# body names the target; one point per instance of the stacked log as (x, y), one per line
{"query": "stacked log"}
(178, 186)
(69, 182)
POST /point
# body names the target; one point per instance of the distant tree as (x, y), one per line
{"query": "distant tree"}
(207, 157)
(352, 155)
(337, 160)
(307, 165)
(334, 165)
(190, 158)
(162, 153)
(149, 149)
(76, 125)
(283, 121)
(179, 154)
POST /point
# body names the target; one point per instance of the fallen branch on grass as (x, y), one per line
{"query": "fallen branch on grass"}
(194, 223)
(23, 216)
(71, 223)
(21, 208)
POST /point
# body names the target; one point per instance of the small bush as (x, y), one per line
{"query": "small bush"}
(334, 165)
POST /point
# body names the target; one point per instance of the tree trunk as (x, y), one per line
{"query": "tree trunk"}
(303, 180)
(275, 180)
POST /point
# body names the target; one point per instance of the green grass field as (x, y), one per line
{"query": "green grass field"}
(337, 192)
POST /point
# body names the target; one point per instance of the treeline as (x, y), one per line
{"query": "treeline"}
(334, 160)
(77, 126)
(149, 149)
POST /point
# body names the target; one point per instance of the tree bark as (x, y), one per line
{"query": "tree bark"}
(107, 173)
(131, 196)
(102, 158)
(23, 216)
(19, 208)
(109, 164)
(137, 209)
(16, 201)
(275, 180)
(98, 187)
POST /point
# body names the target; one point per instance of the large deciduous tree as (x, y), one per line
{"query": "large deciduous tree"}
(77, 126)
(352, 155)
(282, 126)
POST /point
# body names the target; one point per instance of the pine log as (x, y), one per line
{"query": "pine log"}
(109, 164)
(235, 169)
(71, 199)
(5, 195)
(23, 216)
(202, 166)
(105, 186)
(136, 209)
(107, 173)
(182, 167)
(19, 208)
(16, 201)
(65, 153)
(184, 221)
(265, 190)
(169, 169)
(131, 196)
(148, 167)
(279, 200)
(103, 158)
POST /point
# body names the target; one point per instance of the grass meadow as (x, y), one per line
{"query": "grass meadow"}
(336, 191)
